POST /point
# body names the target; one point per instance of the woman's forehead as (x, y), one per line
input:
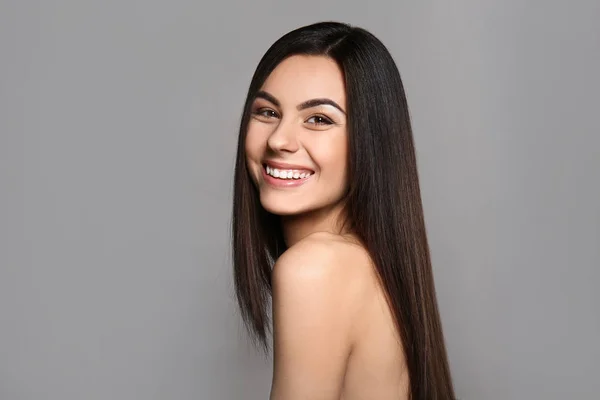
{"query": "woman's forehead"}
(301, 77)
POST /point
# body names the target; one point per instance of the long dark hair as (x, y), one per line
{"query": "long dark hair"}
(383, 205)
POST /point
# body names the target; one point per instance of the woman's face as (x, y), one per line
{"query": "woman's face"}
(296, 144)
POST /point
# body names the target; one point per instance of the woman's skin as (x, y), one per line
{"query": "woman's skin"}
(334, 335)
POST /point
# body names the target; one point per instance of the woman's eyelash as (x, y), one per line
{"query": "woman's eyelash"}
(324, 120)
(261, 112)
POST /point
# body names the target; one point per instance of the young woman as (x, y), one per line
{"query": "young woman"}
(328, 220)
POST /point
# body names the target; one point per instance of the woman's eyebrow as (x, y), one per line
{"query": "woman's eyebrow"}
(318, 102)
(304, 105)
(267, 96)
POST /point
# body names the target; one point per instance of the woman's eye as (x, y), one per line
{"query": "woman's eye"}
(320, 120)
(266, 112)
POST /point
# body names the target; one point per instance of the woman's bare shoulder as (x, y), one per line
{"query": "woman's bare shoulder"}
(341, 265)
(332, 252)
(318, 290)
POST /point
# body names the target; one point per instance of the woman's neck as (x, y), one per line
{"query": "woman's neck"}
(297, 227)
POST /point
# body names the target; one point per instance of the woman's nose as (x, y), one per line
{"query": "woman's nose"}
(284, 138)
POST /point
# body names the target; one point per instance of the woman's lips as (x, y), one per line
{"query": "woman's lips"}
(283, 183)
(286, 166)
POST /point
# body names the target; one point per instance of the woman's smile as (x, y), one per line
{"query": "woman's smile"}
(285, 177)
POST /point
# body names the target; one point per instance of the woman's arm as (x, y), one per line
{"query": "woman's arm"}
(314, 301)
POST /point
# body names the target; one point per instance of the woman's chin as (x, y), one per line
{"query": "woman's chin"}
(283, 209)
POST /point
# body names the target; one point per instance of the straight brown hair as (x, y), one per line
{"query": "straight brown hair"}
(383, 205)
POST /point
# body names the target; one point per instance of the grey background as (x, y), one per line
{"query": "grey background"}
(117, 137)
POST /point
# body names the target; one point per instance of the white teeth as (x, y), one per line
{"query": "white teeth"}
(286, 174)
